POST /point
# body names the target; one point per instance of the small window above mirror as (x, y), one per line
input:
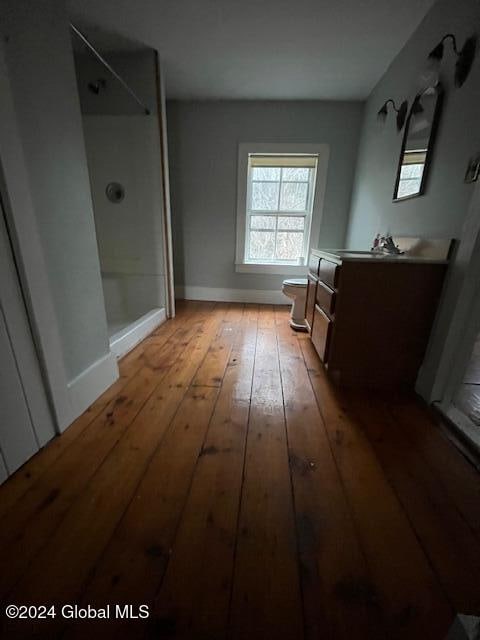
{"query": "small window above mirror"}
(417, 144)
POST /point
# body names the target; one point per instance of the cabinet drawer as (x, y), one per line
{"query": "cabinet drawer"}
(325, 298)
(321, 333)
(328, 272)
(313, 265)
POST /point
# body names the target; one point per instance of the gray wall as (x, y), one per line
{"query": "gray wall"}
(40, 67)
(441, 211)
(203, 143)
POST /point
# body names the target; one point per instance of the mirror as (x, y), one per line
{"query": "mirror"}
(417, 144)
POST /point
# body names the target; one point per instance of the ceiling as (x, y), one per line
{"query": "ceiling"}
(261, 49)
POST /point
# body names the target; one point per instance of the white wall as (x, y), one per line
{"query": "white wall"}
(203, 143)
(441, 211)
(39, 65)
(42, 77)
(123, 145)
(136, 67)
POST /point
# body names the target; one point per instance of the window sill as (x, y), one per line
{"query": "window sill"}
(274, 269)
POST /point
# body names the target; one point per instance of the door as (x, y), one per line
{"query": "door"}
(17, 437)
(458, 343)
(26, 421)
(321, 333)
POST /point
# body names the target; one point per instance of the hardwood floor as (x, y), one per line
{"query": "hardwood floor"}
(467, 399)
(224, 482)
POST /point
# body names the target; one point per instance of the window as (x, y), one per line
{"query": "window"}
(280, 193)
(281, 188)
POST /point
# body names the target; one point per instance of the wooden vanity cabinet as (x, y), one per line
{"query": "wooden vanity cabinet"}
(329, 273)
(310, 304)
(312, 279)
(371, 320)
(321, 333)
(325, 298)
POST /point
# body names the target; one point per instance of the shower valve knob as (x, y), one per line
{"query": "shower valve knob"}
(115, 192)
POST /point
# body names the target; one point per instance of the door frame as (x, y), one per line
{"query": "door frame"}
(21, 223)
(165, 179)
(465, 322)
(25, 441)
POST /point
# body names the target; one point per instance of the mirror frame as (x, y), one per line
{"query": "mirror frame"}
(431, 142)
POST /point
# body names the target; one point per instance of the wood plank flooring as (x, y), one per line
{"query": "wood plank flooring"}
(227, 484)
(467, 399)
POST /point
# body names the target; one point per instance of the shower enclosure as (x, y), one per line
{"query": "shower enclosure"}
(119, 98)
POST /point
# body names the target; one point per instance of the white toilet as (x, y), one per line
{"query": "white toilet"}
(296, 288)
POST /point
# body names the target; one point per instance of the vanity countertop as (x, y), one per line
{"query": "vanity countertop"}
(344, 255)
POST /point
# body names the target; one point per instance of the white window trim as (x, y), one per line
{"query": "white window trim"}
(244, 149)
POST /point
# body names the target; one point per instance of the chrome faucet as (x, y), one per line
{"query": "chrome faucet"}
(385, 244)
(389, 246)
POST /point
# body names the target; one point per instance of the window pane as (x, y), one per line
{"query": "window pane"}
(289, 245)
(295, 173)
(294, 196)
(266, 173)
(262, 245)
(265, 196)
(262, 222)
(411, 171)
(291, 222)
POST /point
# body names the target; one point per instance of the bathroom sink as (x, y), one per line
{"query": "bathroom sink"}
(353, 252)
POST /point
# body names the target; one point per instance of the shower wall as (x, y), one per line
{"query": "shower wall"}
(124, 149)
(123, 146)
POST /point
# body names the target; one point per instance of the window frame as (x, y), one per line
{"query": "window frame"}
(314, 207)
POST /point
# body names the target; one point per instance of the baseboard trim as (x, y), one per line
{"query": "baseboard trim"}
(125, 340)
(461, 431)
(90, 384)
(231, 295)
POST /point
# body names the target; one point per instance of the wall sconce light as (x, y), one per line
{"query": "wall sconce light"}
(401, 112)
(418, 121)
(417, 105)
(465, 56)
